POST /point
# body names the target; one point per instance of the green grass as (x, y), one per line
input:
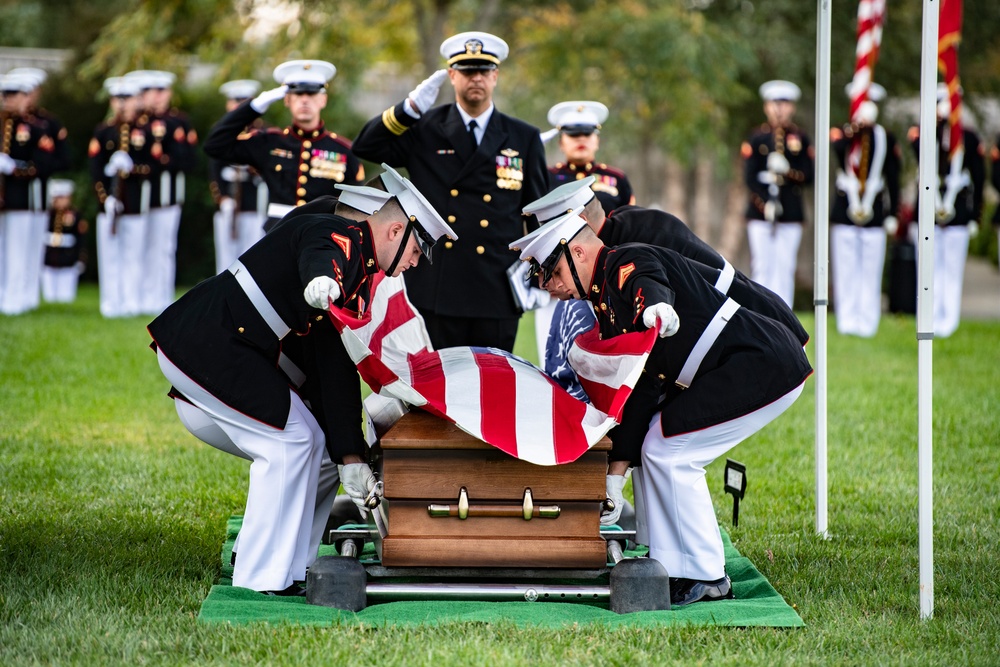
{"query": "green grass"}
(112, 518)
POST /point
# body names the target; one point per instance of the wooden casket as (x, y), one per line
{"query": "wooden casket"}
(454, 501)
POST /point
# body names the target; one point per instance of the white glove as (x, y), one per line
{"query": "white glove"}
(320, 291)
(614, 486)
(7, 164)
(267, 98)
(973, 228)
(549, 135)
(227, 206)
(890, 225)
(425, 94)
(358, 482)
(665, 313)
(777, 164)
(120, 162)
(112, 206)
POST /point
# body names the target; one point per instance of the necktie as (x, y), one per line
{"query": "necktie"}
(472, 136)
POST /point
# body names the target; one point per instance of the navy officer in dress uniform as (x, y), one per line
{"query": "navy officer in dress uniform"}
(238, 190)
(778, 161)
(722, 373)
(299, 162)
(579, 125)
(219, 346)
(478, 167)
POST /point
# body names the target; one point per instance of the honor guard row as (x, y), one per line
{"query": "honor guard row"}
(138, 161)
(299, 162)
(32, 148)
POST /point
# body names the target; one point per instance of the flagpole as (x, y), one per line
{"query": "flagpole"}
(927, 188)
(821, 213)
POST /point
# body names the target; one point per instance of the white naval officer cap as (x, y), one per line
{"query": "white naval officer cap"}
(780, 91)
(544, 246)
(119, 86)
(305, 76)
(565, 198)
(363, 198)
(59, 187)
(578, 117)
(36, 73)
(240, 89)
(18, 83)
(427, 223)
(148, 79)
(474, 50)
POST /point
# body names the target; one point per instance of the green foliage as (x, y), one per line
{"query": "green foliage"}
(112, 518)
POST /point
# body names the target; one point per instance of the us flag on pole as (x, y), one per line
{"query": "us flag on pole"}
(489, 393)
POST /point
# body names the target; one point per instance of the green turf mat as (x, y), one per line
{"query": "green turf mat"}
(756, 604)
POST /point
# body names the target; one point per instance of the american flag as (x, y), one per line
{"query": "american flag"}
(489, 393)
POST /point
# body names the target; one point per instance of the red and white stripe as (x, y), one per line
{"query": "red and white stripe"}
(871, 17)
(488, 393)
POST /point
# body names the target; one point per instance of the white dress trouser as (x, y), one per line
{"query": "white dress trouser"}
(59, 283)
(857, 255)
(161, 258)
(203, 426)
(951, 247)
(774, 251)
(20, 264)
(227, 248)
(276, 540)
(677, 514)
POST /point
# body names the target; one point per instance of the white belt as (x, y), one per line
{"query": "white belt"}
(705, 342)
(60, 240)
(278, 210)
(725, 279)
(293, 372)
(257, 298)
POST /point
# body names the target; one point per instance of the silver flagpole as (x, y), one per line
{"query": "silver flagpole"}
(927, 188)
(821, 213)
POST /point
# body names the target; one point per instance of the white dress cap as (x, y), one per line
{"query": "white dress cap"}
(151, 78)
(542, 243)
(565, 198)
(778, 90)
(430, 226)
(240, 89)
(59, 187)
(119, 86)
(581, 116)
(474, 50)
(876, 93)
(18, 83)
(35, 72)
(305, 76)
(363, 198)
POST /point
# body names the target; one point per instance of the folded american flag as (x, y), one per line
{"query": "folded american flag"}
(489, 393)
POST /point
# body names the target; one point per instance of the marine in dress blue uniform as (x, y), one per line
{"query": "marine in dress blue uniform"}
(299, 162)
(478, 181)
(63, 244)
(722, 373)
(778, 165)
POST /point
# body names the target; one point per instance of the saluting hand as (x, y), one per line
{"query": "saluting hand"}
(424, 95)
(267, 98)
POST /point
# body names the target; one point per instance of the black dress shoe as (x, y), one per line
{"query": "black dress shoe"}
(297, 589)
(689, 591)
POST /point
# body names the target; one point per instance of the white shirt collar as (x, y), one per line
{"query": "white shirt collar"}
(482, 120)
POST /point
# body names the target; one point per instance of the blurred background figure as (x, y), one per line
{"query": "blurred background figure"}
(961, 168)
(865, 210)
(778, 161)
(238, 190)
(63, 244)
(995, 178)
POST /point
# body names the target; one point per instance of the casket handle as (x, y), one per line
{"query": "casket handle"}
(463, 510)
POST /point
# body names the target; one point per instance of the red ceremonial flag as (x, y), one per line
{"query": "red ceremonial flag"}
(949, 37)
(489, 393)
